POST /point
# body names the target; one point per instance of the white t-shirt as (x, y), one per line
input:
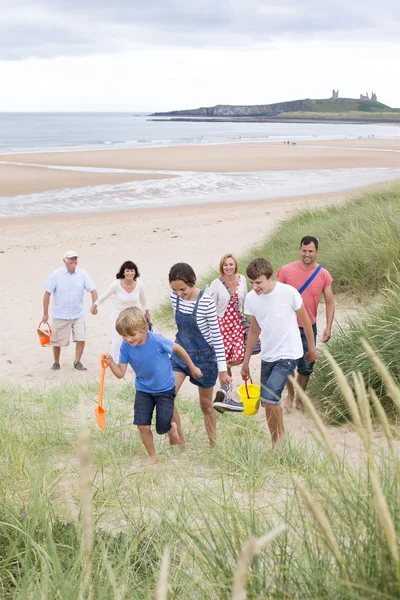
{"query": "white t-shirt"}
(276, 316)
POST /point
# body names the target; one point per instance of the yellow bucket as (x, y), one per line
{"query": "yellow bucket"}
(249, 394)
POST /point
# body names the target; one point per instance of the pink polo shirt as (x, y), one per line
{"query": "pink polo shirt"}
(296, 275)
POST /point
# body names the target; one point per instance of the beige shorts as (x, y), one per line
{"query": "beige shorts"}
(62, 331)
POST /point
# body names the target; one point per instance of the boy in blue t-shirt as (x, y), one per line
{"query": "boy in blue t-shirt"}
(148, 354)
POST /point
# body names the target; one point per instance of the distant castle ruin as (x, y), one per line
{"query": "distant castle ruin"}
(374, 97)
(335, 96)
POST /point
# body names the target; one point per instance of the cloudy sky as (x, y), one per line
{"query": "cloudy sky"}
(130, 55)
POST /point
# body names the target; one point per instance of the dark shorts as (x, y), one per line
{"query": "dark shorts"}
(274, 376)
(304, 367)
(205, 361)
(162, 402)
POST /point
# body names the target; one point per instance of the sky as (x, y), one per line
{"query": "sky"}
(158, 55)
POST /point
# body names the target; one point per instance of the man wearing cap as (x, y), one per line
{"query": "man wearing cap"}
(311, 280)
(67, 284)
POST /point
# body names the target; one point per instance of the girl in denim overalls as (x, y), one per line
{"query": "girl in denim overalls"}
(199, 334)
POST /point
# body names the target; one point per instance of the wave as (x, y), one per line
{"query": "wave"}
(188, 188)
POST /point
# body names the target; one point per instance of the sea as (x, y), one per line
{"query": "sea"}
(26, 133)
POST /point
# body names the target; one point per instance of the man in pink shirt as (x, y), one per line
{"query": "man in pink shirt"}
(310, 279)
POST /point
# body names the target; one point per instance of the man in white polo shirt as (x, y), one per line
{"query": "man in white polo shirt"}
(67, 285)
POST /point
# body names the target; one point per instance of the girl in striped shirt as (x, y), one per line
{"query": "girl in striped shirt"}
(199, 334)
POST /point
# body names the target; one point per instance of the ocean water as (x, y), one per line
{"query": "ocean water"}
(40, 132)
(33, 132)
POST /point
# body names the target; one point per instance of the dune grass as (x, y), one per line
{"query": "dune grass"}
(359, 244)
(334, 528)
(381, 327)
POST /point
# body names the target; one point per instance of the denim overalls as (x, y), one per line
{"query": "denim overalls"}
(202, 354)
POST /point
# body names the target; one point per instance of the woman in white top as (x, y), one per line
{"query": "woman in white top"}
(229, 292)
(128, 292)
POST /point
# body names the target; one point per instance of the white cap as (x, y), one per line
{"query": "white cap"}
(70, 254)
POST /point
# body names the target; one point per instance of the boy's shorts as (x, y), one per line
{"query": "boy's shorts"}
(163, 402)
(304, 367)
(274, 376)
(62, 328)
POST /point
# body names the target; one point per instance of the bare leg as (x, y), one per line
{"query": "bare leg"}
(79, 346)
(274, 415)
(209, 414)
(173, 435)
(147, 438)
(302, 380)
(288, 406)
(57, 354)
(179, 379)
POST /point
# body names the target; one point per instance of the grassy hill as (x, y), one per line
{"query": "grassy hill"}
(343, 105)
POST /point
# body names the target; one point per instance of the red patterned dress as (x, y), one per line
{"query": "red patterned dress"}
(232, 332)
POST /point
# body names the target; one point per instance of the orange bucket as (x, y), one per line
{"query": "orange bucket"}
(44, 334)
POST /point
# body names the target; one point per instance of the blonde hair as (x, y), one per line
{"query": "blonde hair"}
(131, 320)
(223, 260)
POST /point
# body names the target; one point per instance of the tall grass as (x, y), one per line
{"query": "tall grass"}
(359, 243)
(240, 521)
(381, 328)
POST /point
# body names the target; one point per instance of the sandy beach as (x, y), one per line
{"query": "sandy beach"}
(238, 158)
(31, 248)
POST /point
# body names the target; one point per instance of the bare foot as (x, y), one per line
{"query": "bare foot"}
(151, 461)
(288, 405)
(173, 435)
(279, 444)
(300, 406)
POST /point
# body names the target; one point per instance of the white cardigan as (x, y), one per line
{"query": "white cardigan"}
(221, 295)
(122, 298)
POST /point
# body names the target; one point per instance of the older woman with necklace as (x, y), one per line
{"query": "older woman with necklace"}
(229, 292)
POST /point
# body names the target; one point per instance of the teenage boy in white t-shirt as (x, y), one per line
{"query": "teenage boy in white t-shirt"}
(273, 308)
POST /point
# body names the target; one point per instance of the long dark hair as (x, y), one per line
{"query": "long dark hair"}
(128, 264)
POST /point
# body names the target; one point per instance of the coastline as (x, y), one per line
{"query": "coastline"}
(32, 174)
(308, 119)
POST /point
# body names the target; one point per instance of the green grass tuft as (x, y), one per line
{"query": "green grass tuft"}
(381, 328)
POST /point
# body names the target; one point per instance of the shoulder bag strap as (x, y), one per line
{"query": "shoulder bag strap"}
(309, 280)
(235, 304)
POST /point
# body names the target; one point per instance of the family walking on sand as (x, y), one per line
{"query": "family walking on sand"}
(213, 335)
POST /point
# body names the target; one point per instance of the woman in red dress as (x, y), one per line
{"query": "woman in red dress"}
(229, 292)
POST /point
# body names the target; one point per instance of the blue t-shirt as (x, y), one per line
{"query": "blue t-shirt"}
(151, 363)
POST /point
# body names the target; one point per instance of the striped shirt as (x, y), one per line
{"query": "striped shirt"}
(206, 319)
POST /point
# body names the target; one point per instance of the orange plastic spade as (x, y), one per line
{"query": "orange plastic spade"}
(99, 411)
